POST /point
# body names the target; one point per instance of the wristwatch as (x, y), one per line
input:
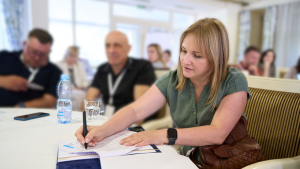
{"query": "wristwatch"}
(172, 136)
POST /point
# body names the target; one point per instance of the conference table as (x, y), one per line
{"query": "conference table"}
(34, 143)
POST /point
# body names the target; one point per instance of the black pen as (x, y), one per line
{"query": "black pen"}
(84, 128)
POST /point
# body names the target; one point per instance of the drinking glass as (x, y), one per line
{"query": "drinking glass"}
(93, 109)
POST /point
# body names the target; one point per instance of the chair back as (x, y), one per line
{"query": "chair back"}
(274, 116)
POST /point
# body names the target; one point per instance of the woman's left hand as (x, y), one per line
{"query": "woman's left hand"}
(157, 137)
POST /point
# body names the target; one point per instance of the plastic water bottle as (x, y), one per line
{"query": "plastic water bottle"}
(64, 102)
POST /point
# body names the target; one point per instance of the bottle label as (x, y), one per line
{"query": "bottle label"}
(60, 113)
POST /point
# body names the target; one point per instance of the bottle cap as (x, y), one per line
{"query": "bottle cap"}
(64, 77)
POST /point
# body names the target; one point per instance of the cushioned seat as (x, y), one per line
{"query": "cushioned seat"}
(274, 121)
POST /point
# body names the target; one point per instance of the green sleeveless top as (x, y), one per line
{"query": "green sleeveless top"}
(184, 112)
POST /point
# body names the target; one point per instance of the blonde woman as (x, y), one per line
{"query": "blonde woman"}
(77, 76)
(73, 68)
(206, 97)
(155, 56)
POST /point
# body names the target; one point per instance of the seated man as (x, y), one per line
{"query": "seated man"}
(27, 78)
(122, 80)
(250, 62)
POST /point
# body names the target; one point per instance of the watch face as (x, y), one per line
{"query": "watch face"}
(172, 133)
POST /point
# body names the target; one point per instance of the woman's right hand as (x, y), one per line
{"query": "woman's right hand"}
(95, 134)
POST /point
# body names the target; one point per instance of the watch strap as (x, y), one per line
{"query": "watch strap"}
(172, 136)
(171, 141)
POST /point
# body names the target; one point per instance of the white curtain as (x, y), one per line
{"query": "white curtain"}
(13, 12)
(287, 34)
(244, 35)
(4, 42)
(269, 28)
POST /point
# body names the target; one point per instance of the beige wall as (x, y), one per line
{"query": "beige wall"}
(256, 31)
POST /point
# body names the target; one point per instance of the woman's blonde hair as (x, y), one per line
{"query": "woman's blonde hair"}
(212, 40)
(159, 52)
(72, 50)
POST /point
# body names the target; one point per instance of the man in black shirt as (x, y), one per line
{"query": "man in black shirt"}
(27, 78)
(130, 78)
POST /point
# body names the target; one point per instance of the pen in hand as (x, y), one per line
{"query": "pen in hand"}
(84, 128)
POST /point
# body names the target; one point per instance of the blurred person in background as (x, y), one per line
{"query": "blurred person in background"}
(122, 79)
(167, 59)
(77, 76)
(294, 72)
(155, 56)
(266, 63)
(249, 65)
(27, 78)
(73, 68)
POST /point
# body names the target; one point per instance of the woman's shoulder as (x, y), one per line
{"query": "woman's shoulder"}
(170, 77)
(234, 74)
(79, 64)
(61, 64)
(158, 65)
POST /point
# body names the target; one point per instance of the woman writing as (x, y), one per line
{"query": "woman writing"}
(206, 97)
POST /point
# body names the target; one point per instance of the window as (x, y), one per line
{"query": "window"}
(140, 12)
(84, 23)
(133, 34)
(92, 26)
(180, 23)
(60, 27)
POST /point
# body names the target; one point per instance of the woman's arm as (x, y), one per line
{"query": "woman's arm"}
(225, 118)
(149, 103)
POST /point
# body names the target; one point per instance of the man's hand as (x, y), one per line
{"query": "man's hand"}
(253, 69)
(14, 83)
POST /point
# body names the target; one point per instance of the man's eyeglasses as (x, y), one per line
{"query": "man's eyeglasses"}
(33, 52)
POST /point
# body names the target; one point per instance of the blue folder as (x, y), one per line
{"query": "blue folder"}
(87, 163)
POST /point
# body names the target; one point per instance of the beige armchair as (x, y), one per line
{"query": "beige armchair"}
(273, 115)
(286, 163)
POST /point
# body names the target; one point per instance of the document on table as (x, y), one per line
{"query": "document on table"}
(64, 156)
(149, 161)
(109, 146)
(53, 118)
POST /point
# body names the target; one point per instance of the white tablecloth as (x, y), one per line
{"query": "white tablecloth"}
(34, 143)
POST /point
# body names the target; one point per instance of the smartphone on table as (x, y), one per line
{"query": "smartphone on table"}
(31, 116)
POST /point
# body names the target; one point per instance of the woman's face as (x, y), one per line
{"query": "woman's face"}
(194, 63)
(152, 54)
(72, 58)
(269, 57)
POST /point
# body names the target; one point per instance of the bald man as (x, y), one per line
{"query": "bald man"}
(122, 79)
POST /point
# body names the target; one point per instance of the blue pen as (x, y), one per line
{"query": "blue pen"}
(84, 128)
